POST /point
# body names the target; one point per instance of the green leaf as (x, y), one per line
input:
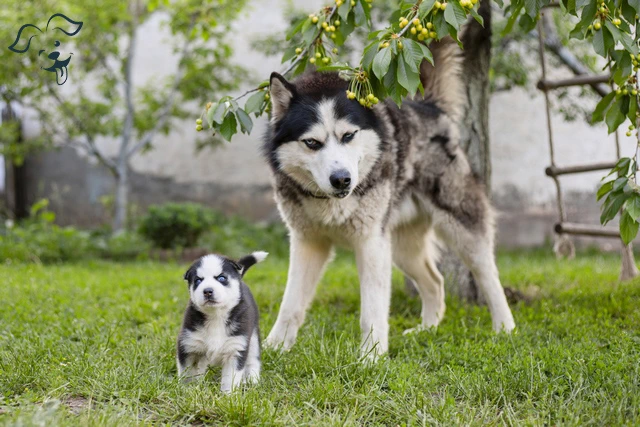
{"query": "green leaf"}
(477, 17)
(288, 54)
(628, 228)
(381, 62)
(619, 183)
(454, 14)
(297, 27)
(615, 117)
(425, 7)
(218, 113)
(426, 53)
(254, 103)
(344, 9)
(361, 15)
(633, 108)
(604, 190)
(598, 114)
(532, 7)
(512, 19)
(621, 37)
(369, 53)
(408, 78)
(635, 4)
(602, 41)
(633, 207)
(441, 27)
(611, 206)
(246, 124)
(412, 54)
(229, 126)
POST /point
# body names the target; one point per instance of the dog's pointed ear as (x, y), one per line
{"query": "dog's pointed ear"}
(23, 39)
(282, 92)
(247, 261)
(190, 274)
(64, 24)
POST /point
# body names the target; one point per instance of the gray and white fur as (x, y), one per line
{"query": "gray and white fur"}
(221, 322)
(390, 183)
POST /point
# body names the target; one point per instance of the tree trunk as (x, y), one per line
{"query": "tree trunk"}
(121, 199)
(474, 136)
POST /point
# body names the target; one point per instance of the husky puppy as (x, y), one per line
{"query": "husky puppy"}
(387, 182)
(220, 325)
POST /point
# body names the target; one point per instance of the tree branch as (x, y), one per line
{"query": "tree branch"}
(165, 112)
(298, 58)
(91, 145)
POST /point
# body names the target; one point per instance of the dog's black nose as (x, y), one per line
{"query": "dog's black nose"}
(53, 55)
(208, 292)
(340, 179)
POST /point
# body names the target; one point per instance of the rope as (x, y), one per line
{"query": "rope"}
(560, 201)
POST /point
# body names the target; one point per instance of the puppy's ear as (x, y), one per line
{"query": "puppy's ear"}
(64, 24)
(190, 274)
(282, 92)
(247, 261)
(23, 39)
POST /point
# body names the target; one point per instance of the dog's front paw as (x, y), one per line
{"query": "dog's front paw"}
(279, 341)
(415, 330)
(506, 325)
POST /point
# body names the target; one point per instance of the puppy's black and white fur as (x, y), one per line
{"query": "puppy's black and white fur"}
(220, 325)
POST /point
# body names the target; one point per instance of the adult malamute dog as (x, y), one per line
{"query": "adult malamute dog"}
(389, 183)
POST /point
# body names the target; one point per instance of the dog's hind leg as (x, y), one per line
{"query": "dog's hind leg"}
(306, 262)
(476, 250)
(414, 253)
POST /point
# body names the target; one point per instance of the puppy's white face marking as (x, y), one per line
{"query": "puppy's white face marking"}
(213, 289)
(334, 154)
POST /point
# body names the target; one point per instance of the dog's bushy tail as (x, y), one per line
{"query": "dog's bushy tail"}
(247, 261)
(442, 83)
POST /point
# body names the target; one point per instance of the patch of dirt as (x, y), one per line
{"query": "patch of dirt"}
(514, 296)
(76, 404)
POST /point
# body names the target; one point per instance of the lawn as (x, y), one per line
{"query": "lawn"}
(93, 344)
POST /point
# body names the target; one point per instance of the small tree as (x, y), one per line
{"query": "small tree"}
(105, 102)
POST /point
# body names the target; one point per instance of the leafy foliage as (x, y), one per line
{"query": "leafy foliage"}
(176, 224)
(38, 239)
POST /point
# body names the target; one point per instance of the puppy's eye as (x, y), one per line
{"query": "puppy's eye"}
(56, 43)
(312, 144)
(197, 281)
(222, 279)
(347, 137)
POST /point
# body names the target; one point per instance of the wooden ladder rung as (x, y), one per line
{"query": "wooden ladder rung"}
(556, 171)
(575, 81)
(586, 230)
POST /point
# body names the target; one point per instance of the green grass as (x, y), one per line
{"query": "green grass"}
(93, 344)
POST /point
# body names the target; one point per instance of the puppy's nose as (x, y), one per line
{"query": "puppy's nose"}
(340, 179)
(54, 55)
(208, 292)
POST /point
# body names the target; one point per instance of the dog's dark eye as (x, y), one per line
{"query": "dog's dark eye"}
(312, 144)
(222, 279)
(347, 137)
(56, 43)
(197, 281)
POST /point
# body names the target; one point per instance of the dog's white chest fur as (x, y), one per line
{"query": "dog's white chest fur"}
(213, 341)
